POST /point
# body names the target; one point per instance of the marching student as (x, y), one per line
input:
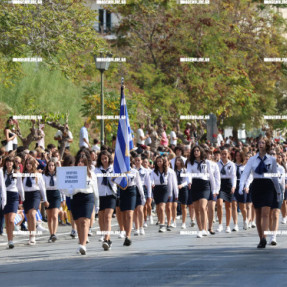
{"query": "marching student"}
(264, 188)
(227, 188)
(240, 162)
(276, 205)
(147, 207)
(201, 185)
(128, 201)
(83, 202)
(213, 196)
(249, 206)
(171, 205)
(14, 188)
(162, 183)
(284, 203)
(69, 160)
(108, 196)
(34, 188)
(182, 183)
(54, 199)
(145, 180)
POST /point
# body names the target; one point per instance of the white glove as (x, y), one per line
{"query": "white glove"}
(97, 209)
(240, 191)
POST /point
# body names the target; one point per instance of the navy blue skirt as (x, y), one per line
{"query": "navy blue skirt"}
(241, 198)
(68, 202)
(285, 194)
(82, 205)
(263, 192)
(128, 198)
(108, 201)
(200, 189)
(54, 199)
(225, 190)
(183, 195)
(139, 201)
(160, 194)
(12, 202)
(189, 199)
(32, 200)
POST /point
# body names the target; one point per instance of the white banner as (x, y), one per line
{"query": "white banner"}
(72, 177)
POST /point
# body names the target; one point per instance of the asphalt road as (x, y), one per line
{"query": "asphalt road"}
(168, 259)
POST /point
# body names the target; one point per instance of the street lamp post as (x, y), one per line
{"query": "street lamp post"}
(102, 66)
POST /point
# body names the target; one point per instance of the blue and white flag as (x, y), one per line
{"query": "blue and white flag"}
(124, 144)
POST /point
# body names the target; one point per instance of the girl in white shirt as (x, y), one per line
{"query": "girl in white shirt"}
(200, 185)
(227, 189)
(162, 182)
(14, 188)
(34, 188)
(146, 185)
(276, 206)
(264, 188)
(83, 202)
(54, 199)
(107, 194)
(182, 183)
(147, 206)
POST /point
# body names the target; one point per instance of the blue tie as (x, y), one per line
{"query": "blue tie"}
(179, 178)
(261, 168)
(29, 182)
(223, 171)
(52, 183)
(105, 179)
(238, 172)
(161, 178)
(8, 180)
(199, 165)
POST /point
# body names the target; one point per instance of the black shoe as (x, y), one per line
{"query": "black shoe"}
(68, 223)
(168, 228)
(114, 215)
(211, 232)
(50, 239)
(262, 243)
(107, 245)
(54, 237)
(127, 242)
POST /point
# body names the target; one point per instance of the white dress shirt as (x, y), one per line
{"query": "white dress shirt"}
(204, 173)
(216, 173)
(105, 190)
(174, 183)
(37, 184)
(3, 189)
(145, 179)
(184, 179)
(168, 180)
(47, 179)
(230, 170)
(15, 186)
(251, 166)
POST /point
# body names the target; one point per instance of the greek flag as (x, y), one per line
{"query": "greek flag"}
(124, 144)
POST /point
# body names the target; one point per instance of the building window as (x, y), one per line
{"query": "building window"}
(105, 21)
